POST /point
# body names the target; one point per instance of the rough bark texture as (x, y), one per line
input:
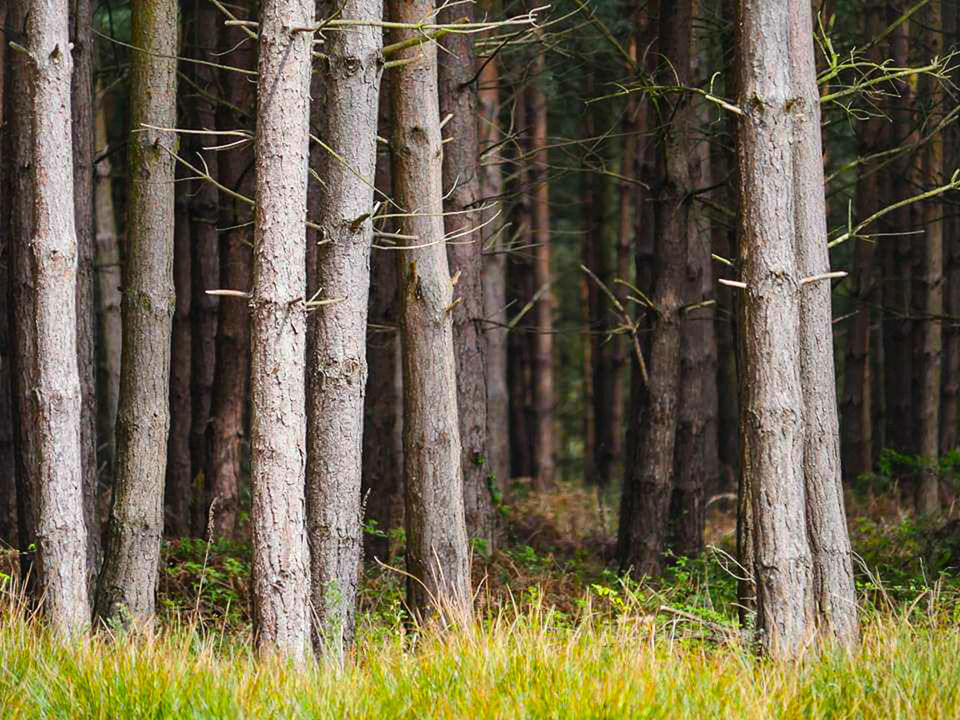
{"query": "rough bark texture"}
(108, 299)
(350, 74)
(461, 185)
(544, 460)
(228, 441)
(128, 582)
(55, 400)
(205, 261)
(931, 279)
(381, 486)
(437, 552)
(83, 135)
(773, 406)
(833, 586)
(278, 331)
(494, 277)
(648, 482)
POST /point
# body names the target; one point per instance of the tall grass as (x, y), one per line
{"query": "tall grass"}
(530, 663)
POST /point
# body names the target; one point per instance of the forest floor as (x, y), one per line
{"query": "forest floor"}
(558, 635)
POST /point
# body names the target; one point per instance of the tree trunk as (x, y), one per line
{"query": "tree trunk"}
(83, 135)
(928, 491)
(544, 459)
(494, 275)
(773, 408)
(178, 485)
(833, 588)
(204, 261)
(56, 399)
(109, 327)
(278, 328)
(951, 332)
(228, 443)
(461, 184)
(381, 487)
(437, 552)
(651, 470)
(128, 582)
(338, 370)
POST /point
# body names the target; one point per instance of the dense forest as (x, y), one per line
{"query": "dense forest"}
(343, 341)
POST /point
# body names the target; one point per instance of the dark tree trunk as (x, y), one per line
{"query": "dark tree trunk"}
(127, 588)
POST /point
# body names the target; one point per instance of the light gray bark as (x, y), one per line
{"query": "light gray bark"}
(461, 184)
(773, 406)
(56, 393)
(278, 330)
(337, 372)
(834, 590)
(437, 553)
(493, 234)
(127, 588)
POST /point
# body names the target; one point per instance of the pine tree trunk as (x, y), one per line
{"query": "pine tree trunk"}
(833, 588)
(128, 582)
(461, 183)
(928, 491)
(204, 260)
(773, 407)
(493, 233)
(437, 552)
(228, 442)
(278, 329)
(381, 487)
(56, 400)
(338, 368)
(544, 460)
(83, 136)
(951, 332)
(649, 478)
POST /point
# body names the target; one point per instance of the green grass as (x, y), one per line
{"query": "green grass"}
(532, 664)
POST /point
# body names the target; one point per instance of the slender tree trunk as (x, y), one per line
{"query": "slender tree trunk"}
(228, 440)
(56, 399)
(20, 131)
(381, 487)
(109, 327)
(83, 135)
(494, 275)
(338, 368)
(651, 471)
(833, 588)
(461, 183)
(178, 485)
(437, 552)
(928, 491)
(544, 460)
(128, 582)
(774, 412)
(278, 329)
(951, 331)
(204, 260)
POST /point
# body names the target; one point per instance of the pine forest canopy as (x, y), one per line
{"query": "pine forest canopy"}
(337, 280)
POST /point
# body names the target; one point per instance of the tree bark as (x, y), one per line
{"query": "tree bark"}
(127, 588)
(950, 396)
(773, 408)
(648, 482)
(83, 135)
(56, 399)
(833, 585)
(461, 182)
(228, 442)
(278, 329)
(494, 275)
(437, 552)
(928, 490)
(544, 456)
(204, 260)
(337, 374)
